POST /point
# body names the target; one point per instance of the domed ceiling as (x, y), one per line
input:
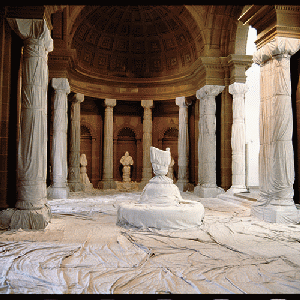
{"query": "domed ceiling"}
(136, 41)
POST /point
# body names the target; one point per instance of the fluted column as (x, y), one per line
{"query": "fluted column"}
(59, 188)
(74, 143)
(31, 209)
(207, 186)
(276, 156)
(147, 142)
(238, 138)
(183, 144)
(108, 146)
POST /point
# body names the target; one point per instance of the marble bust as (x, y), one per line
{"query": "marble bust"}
(127, 161)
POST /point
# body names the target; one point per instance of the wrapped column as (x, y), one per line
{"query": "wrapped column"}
(183, 144)
(108, 151)
(207, 187)
(147, 142)
(59, 188)
(276, 156)
(74, 143)
(238, 138)
(31, 209)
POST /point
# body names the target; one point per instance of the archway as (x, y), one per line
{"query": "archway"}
(126, 141)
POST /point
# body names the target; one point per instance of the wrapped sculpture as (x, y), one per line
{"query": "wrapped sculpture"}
(161, 205)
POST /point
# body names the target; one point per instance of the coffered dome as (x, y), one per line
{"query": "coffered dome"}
(136, 41)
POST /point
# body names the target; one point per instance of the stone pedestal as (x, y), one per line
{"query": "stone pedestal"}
(238, 138)
(31, 209)
(183, 145)
(147, 142)
(108, 148)
(207, 187)
(59, 188)
(276, 156)
(74, 144)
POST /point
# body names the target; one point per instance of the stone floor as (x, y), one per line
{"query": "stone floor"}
(82, 250)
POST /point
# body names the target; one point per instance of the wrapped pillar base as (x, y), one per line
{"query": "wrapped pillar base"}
(13, 218)
(276, 213)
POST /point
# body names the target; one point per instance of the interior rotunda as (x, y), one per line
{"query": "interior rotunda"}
(82, 85)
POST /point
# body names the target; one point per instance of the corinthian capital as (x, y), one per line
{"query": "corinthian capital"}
(61, 84)
(238, 88)
(278, 46)
(147, 103)
(110, 102)
(209, 90)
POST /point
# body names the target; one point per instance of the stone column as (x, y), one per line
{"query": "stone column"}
(276, 156)
(207, 187)
(238, 138)
(108, 147)
(147, 142)
(183, 144)
(31, 209)
(59, 188)
(74, 143)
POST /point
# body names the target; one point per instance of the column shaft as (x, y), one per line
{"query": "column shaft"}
(207, 186)
(276, 157)
(183, 144)
(74, 143)
(59, 188)
(108, 147)
(147, 142)
(238, 138)
(32, 210)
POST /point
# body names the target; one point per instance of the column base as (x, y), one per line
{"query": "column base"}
(236, 190)
(13, 218)
(184, 185)
(276, 214)
(75, 186)
(57, 192)
(107, 185)
(208, 192)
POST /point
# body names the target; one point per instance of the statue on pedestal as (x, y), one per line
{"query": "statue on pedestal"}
(83, 175)
(127, 162)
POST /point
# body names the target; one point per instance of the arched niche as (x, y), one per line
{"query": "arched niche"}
(126, 141)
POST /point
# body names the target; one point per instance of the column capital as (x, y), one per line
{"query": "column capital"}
(110, 102)
(277, 46)
(60, 84)
(209, 90)
(147, 103)
(238, 88)
(182, 102)
(77, 98)
(32, 31)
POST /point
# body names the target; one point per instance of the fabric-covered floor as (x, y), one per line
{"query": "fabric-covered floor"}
(82, 250)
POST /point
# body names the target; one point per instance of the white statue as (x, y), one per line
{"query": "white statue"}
(127, 161)
(83, 175)
(160, 190)
(161, 205)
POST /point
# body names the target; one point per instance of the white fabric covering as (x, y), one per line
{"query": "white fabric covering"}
(82, 251)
